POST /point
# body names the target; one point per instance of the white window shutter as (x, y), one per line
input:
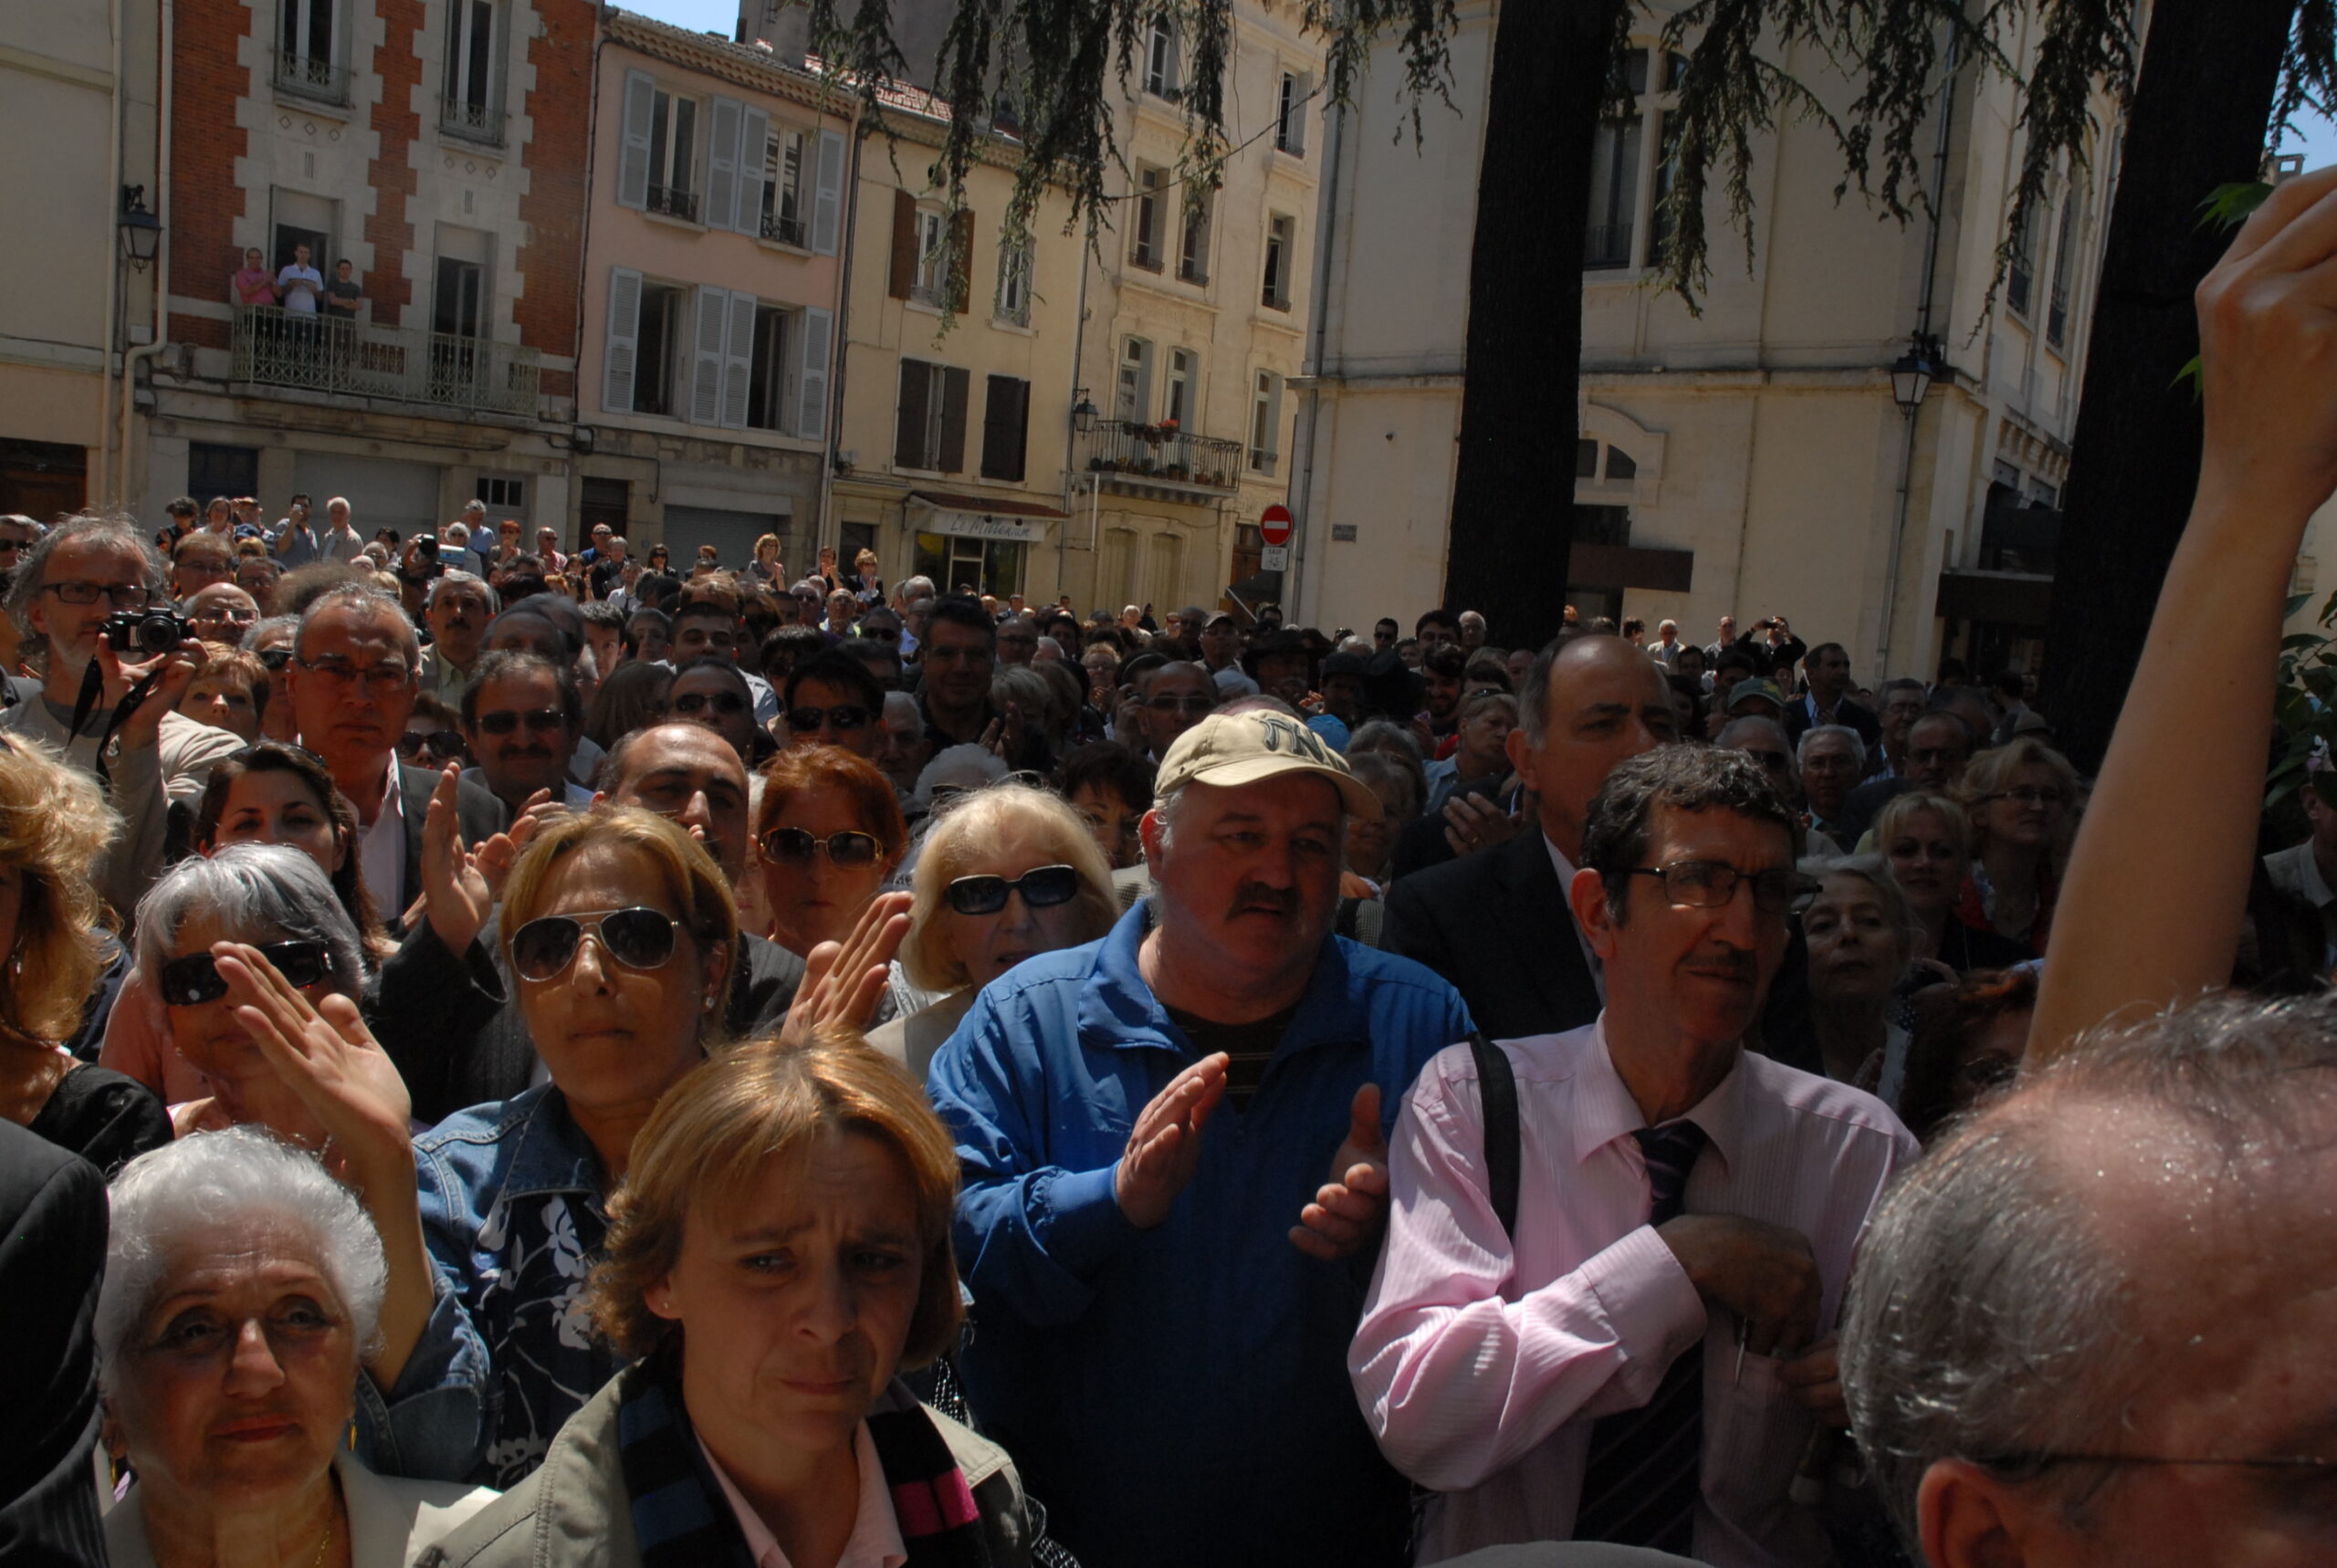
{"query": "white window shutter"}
(754, 142)
(827, 194)
(812, 385)
(617, 361)
(722, 164)
(737, 361)
(706, 361)
(633, 162)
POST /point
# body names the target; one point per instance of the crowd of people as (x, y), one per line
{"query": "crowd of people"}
(520, 1057)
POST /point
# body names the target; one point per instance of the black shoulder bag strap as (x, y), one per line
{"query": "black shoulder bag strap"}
(1497, 1084)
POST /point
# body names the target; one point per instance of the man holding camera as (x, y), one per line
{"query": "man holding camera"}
(80, 574)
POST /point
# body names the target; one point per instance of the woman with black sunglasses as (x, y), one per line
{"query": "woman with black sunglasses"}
(831, 831)
(1008, 873)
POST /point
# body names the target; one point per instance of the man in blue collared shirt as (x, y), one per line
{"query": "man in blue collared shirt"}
(1174, 1143)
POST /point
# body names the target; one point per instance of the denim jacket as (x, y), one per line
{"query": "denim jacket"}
(513, 1208)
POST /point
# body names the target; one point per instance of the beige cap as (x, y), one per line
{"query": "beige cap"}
(1228, 749)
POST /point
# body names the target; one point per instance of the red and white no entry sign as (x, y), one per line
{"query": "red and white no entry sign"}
(1274, 524)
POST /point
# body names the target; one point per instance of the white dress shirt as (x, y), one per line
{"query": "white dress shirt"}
(384, 847)
(1482, 1360)
(1565, 870)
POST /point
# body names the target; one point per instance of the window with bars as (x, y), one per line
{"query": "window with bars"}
(782, 216)
(673, 155)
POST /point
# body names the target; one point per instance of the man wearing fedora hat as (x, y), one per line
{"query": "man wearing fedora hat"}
(1173, 1142)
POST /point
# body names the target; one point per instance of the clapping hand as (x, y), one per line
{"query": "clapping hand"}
(1349, 1211)
(1164, 1147)
(330, 1062)
(843, 981)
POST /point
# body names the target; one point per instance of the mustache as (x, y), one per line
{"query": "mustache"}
(1736, 963)
(1257, 896)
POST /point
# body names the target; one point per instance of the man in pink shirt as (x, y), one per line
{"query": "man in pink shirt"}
(1641, 1352)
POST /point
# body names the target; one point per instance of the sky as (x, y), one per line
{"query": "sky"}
(2316, 138)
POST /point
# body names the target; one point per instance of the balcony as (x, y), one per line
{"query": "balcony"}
(320, 81)
(478, 122)
(672, 202)
(787, 231)
(280, 348)
(1159, 459)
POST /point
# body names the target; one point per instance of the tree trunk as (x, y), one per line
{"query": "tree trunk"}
(2209, 69)
(1513, 495)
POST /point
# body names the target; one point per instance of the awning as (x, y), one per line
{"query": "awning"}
(985, 516)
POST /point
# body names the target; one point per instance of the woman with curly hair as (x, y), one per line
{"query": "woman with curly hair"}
(53, 827)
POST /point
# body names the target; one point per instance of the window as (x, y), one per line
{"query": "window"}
(1160, 59)
(306, 52)
(503, 495)
(932, 429)
(1183, 387)
(1192, 254)
(1151, 193)
(1006, 428)
(661, 337)
(467, 106)
(767, 372)
(457, 308)
(1290, 115)
(931, 286)
(673, 132)
(2057, 304)
(782, 204)
(1276, 294)
(1265, 424)
(1625, 227)
(1014, 282)
(216, 470)
(2021, 277)
(1133, 401)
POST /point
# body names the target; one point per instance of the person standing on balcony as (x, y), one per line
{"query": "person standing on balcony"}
(342, 297)
(301, 283)
(255, 285)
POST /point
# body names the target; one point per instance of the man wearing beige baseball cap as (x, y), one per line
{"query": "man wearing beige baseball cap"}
(1174, 1148)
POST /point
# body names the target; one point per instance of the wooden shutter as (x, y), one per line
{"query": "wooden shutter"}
(909, 435)
(1006, 416)
(623, 345)
(961, 258)
(706, 360)
(904, 244)
(754, 148)
(633, 161)
(722, 163)
(955, 384)
(737, 361)
(827, 201)
(811, 379)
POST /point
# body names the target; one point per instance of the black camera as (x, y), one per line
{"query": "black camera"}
(144, 632)
(422, 562)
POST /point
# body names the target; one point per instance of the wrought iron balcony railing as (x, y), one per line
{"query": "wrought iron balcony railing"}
(472, 121)
(279, 348)
(1161, 454)
(786, 230)
(674, 202)
(320, 81)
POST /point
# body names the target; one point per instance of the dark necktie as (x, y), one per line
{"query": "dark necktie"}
(1639, 1484)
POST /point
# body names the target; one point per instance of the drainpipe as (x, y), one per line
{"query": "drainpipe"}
(112, 327)
(155, 343)
(1321, 325)
(1922, 334)
(829, 530)
(1071, 416)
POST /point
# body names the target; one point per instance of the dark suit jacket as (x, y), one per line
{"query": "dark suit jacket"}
(1496, 925)
(457, 1039)
(52, 1255)
(1865, 803)
(480, 814)
(1858, 718)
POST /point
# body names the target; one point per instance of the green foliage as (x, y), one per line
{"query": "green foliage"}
(2305, 707)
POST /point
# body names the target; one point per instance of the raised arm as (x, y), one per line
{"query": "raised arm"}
(2159, 878)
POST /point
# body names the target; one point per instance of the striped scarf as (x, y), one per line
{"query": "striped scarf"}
(681, 1519)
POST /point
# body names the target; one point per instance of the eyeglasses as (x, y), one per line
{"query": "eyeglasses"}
(1951, 755)
(120, 595)
(638, 938)
(881, 633)
(1042, 888)
(276, 659)
(1196, 702)
(843, 716)
(542, 721)
(1711, 884)
(191, 981)
(383, 676)
(10, 546)
(445, 743)
(720, 702)
(797, 846)
(234, 615)
(2029, 795)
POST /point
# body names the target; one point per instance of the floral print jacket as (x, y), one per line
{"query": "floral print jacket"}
(513, 1209)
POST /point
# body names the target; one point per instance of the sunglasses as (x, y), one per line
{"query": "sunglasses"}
(843, 716)
(1042, 888)
(720, 702)
(797, 846)
(542, 721)
(191, 981)
(638, 938)
(438, 742)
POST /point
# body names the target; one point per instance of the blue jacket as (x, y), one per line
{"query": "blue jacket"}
(1179, 1395)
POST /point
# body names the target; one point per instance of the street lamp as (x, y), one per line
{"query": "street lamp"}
(1913, 373)
(1083, 414)
(141, 231)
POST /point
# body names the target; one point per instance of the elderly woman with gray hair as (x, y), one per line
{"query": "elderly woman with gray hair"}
(242, 1285)
(1861, 941)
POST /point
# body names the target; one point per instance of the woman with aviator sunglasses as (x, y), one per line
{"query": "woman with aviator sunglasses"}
(831, 831)
(1008, 873)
